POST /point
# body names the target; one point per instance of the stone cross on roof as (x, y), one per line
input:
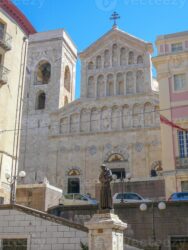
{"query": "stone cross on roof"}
(114, 17)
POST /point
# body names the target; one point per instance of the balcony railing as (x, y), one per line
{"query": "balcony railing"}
(5, 41)
(3, 75)
(182, 163)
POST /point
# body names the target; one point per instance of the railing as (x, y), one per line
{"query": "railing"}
(5, 41)
(182, 163)
(3, 75)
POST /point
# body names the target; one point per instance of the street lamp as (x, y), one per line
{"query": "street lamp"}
(144, 207)
(12, 180)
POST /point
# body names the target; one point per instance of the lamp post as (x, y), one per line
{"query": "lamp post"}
(13, 182)
(144, 207)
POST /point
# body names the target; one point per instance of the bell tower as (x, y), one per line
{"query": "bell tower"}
(49, 85)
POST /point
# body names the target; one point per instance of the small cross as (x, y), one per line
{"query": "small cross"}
(114, 17)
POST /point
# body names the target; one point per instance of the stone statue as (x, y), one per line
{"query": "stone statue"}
(105, 191)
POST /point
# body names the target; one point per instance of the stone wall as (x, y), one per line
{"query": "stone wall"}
(152, 188)
(169, 222)
(42, 231)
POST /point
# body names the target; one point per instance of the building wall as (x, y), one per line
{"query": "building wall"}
(169, 63)
(40, 233)
(167, 223)
(77, 138)
(10, 94)
(122, 121)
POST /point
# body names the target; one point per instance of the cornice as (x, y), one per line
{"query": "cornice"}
(116, 32)
(18, 16)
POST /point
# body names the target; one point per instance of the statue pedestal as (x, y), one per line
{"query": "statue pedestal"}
(105, 231)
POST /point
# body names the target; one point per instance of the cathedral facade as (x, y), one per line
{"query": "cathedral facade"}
(116, 120)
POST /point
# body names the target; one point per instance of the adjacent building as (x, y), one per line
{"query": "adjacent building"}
(172, 64)
(14, 30)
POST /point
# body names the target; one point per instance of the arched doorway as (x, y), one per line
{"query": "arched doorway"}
(73, 185)
(118, 165)
(73, 181)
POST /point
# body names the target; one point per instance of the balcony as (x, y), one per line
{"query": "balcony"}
(182, 163)
(3, 75)
(5, 41)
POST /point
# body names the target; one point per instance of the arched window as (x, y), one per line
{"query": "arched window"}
(100, 86)
(90, 65)
(139, 82)
(95, 119)
(74, 185)
(114, 54)
(148, 114)
(98, 62)
(116, 118)
(74, 122)
(120, 84)
(84, 120)
(137, 116)
(126, 116)
(140, 60)
(64, 125)
(131, 57)
(129, 83)
(118, 165)
(105, 118)
(106, 58)
(91, 87)
(110, 85)
(43, 72)
(67, 78)
(123, 56)
(40, 101)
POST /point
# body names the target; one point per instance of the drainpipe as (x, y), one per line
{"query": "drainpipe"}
(17, 125)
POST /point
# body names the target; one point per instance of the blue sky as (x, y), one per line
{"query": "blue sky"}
(87, 20)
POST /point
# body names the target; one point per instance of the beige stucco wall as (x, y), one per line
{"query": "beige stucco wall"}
(173, 106)
(12, 60)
